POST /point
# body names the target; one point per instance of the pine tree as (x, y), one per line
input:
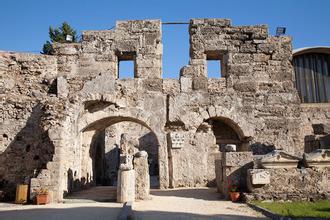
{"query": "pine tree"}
(59, 35)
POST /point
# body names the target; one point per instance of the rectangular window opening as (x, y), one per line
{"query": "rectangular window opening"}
(126, 69)
(214, 69)
(216, 64)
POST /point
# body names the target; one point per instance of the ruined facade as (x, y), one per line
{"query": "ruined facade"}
(57, 112)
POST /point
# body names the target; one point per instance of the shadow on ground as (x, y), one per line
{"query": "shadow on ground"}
(81, 213)
(209, 194)
(96, 194)
(100, 213)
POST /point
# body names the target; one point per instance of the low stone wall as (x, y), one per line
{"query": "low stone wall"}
(292, 184)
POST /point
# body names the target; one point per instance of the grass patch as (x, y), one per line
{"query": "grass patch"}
(319, 209)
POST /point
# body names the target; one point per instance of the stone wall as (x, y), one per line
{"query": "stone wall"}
(55, 107)
(26, 82)
(255, 96)
(293, 184)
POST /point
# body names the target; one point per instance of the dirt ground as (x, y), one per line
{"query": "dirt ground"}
(187, 203)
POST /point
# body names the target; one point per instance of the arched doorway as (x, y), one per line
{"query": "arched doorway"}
(213, 135)
(99, 152)
(227, 132)
(104, 151)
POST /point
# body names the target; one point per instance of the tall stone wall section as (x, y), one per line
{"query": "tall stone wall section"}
(255, 96)
(26, 83)
(88, 83)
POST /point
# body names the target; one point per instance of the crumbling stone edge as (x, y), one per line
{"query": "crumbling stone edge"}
(275, 216)
(126, 212)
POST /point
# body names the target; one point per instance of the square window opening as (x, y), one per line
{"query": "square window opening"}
(126, 69)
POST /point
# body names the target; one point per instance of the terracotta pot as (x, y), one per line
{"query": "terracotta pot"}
(42, 199)
(234, 196)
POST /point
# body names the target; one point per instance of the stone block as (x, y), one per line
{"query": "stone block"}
(279, 159)
(62, 87)
(236, 159)
(153, 84)
(318, 158)
(200, 83)
(186, 84)
(230, 148)
(259, 176)
(177, 140)
(321, 129)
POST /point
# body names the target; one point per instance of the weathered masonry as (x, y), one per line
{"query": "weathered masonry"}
(62, 116)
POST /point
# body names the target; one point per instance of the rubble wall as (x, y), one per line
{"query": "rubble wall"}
(293, 184)
(26, 82)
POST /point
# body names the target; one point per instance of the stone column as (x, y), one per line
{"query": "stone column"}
(141, 168)
(126, 180)
(126, 186)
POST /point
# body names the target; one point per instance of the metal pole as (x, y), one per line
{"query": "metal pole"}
(171, 23)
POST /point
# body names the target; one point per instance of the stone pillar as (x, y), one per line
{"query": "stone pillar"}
(126, 180)
(126, 186)
(142, 187)
(218, 175)
(234, 170)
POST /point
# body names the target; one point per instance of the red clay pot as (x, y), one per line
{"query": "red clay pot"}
(234, 196)
(42, 199)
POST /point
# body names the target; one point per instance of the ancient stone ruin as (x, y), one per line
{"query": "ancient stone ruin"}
(68, 122)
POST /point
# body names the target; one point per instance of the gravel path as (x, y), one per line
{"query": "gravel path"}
(201, 203)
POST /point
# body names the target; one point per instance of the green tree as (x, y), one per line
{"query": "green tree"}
(59, 35)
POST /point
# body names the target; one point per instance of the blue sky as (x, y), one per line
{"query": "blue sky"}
(24, 24)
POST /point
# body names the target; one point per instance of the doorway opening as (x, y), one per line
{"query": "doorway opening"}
(100, 152)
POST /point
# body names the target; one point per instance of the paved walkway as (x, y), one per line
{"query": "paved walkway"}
(187, 203)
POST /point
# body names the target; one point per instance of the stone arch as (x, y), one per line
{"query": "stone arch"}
(101, 119)
(236, 121)
(111, 120)
(226, 131)
(101, 111)
(231, 124)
